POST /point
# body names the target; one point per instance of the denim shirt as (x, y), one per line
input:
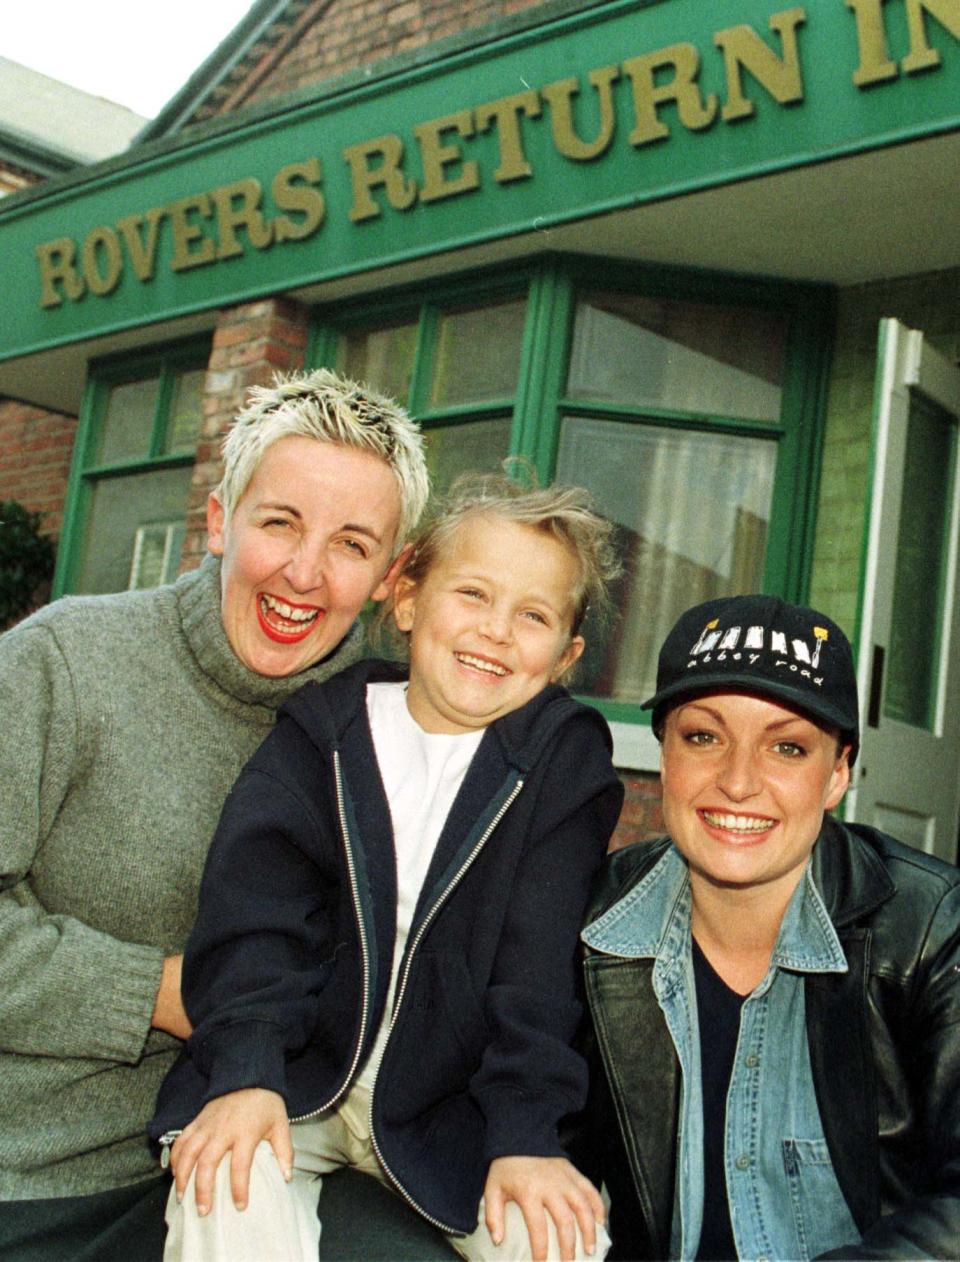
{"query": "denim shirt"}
(785, 1202)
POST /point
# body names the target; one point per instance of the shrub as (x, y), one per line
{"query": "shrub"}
(26, 561)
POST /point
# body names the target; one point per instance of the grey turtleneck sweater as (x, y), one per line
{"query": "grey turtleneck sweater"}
(126, 720)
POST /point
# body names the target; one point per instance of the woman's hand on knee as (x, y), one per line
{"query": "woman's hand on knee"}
(231, 1124)
(541, 1186)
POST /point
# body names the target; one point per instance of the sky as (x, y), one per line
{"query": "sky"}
(133, 53)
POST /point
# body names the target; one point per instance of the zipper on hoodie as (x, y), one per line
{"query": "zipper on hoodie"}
(424, 926)
(167, 1138)
(364, 947)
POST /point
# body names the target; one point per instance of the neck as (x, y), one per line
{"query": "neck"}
(737, 927)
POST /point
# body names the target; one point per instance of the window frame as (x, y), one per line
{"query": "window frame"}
(540, 403)
(166, 362)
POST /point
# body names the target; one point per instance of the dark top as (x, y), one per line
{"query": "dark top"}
(286, 972)
(718, 1014)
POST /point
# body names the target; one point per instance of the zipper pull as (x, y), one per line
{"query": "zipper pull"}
(166, 1141)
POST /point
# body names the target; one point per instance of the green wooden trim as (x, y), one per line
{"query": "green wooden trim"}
(554, 282)
(543, 363)
(835, 117)
(797, 481)
(628, 414)
(421, 374)
(77, 502)
(322, 345)
(466, 288)
(600, 273)
(161, 412)
(168, 361)
(463, 413)
(884, 333)
(121, 468)
(617, 711)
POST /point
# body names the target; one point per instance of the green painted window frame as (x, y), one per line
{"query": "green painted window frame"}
(539, 403)
(167, 362)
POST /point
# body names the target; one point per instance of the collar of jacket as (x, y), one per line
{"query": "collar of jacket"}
(853, 883)
(850, 877)
(326, 711)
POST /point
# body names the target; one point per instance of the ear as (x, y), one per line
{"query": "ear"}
(839, 780)
(386, 584)
(404, 603)
(216, 525)
(569, 656)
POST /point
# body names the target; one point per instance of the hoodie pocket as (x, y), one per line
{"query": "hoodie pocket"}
(443, 1033)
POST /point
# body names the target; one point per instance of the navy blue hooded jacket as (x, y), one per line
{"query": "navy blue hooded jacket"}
(287, 969)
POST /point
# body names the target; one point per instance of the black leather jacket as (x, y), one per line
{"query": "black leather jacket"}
(884, 1044)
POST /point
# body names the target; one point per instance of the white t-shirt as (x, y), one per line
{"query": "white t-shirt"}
(421, 773)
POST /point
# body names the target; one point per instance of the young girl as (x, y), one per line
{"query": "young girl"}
(383, 970)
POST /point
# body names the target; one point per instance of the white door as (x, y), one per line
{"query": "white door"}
(907, 780)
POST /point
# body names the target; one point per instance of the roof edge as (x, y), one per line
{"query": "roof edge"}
(228, 53)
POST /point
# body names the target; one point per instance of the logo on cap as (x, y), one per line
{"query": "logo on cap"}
(745, 645)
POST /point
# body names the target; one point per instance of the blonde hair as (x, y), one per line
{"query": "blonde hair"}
(566, 513)
(321, 405)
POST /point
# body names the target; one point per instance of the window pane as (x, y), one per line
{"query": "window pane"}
(156, 554)
(186, 416)
(381, 358)
(683, 356)
(478, 354)
(120, 507)
(477, 446)
(693, 511)
(925, 511)
(128, 422)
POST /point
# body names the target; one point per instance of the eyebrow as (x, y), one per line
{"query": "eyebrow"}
(770, 727)
(481, 576)
(277, 506)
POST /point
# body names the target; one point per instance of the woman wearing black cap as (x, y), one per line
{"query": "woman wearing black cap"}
(776, 996)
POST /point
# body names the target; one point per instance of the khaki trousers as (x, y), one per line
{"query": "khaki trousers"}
(280, 1223)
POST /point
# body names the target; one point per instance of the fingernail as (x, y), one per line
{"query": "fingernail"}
(288, 1175)
(179, 1198)
(203, 1209)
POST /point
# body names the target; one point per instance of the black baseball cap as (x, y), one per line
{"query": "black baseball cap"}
(764, 645)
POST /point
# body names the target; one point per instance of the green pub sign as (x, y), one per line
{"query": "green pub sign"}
(603, 109)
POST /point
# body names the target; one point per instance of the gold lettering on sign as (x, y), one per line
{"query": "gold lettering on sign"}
(292, 190)
(143, 255)
(102, 244)
(875, 64)
(743, 47)
(238, 206)
(435, 157)
(921, 55)
(401, 192)
(695, 112)
(506, 113)
(559, 96)
(186, 232)
(58, 266)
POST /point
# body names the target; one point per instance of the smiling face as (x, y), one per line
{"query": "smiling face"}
(310, 541)
(489, 624)
(746, 782)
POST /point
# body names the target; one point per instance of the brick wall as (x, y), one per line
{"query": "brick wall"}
(930, 302)
(250, 344)
(641, 817)
(35, 451)
(330, 37)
